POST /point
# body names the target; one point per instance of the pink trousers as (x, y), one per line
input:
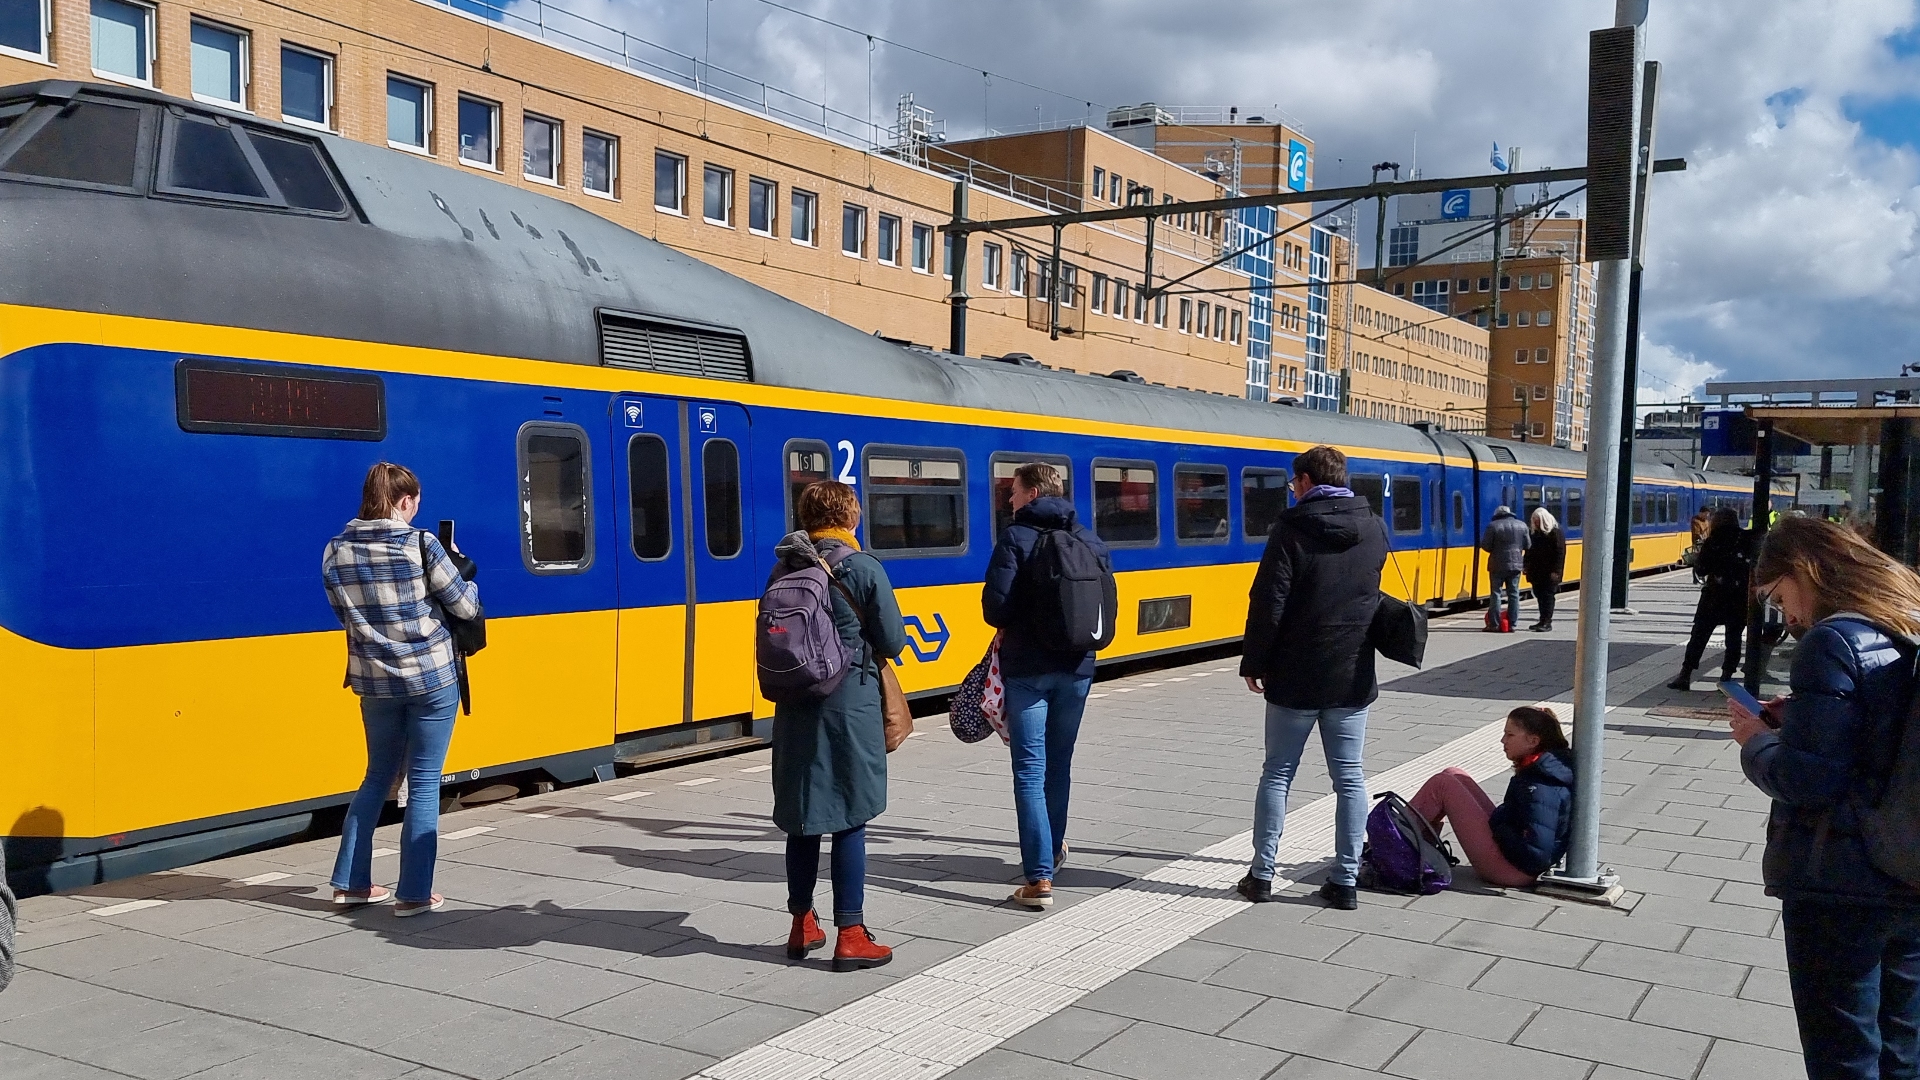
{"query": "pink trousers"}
(1455, 797)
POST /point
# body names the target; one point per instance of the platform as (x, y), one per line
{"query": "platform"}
(634, 929)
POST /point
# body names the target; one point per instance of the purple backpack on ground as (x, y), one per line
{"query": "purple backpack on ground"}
(797, 650)
(1403, 853)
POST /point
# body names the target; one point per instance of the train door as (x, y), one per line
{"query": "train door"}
(1456, 525)
(686, 579)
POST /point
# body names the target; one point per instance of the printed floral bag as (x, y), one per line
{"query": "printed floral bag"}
(978, 706)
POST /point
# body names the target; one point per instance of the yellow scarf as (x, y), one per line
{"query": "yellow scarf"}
(845, 536)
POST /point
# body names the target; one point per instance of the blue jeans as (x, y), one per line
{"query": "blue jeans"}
(1043, 720)
(412, 732)
(849, 870)
(1855, 975)
(1510, 584)
(1343, 734)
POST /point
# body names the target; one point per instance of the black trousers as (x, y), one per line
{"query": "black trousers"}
(1712, 614)
(1544, 595)
(1855, 975)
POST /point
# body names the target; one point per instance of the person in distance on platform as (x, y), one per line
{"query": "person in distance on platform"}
(1821, 753)
(1306, 650)
(1721, 566)
(1046, 687)
(389, 584)
(1512, 844)
(1546, 563)
(830, 756)
(1505, 541)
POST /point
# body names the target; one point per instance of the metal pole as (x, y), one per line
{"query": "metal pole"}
(1757, 651)
(1603, 466)
(1147, 273)
(1380, 241)
(1053, 289)
(1649, 105)
(957, 296)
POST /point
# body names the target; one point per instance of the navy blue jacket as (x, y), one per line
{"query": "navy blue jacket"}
(1533, 824)
(1000, 602)
(1835, 743)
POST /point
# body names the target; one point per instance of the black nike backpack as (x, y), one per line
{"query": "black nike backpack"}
(1072, 598)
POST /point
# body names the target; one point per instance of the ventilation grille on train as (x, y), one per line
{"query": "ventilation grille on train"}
(1501, 453)
(673, 349)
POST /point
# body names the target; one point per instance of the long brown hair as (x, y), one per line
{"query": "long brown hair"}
(386, 485)
(1844, 571)
(1541, 723)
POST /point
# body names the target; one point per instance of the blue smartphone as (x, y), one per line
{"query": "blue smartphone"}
(1738, 693)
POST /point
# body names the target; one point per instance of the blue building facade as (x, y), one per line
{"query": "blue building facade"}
(1322, 386)
(1253, 230)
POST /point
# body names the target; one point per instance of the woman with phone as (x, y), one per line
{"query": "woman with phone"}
(1821, 753)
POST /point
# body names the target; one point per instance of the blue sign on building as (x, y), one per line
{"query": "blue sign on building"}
(1456, 204)
(1297, 165)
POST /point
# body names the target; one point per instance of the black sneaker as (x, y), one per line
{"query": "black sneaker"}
(1257, 889)
(1340, 897)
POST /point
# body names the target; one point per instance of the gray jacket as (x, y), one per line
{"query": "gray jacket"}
(1505, 542)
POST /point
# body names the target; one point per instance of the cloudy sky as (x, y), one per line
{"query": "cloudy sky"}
(1789, 249)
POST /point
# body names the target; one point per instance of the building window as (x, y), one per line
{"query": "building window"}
(853, 230)
(306, 87)
(1526, 281)
(1122, 296)
(1540, 393)
(479, 132)
(1539, 429)
(1098, 294)
(1519, 393)
(716, 195)
(219, 65)
(1544, 281)
(805, 217)
(1505, 317)
(1519, 356)
(1540, 356)
(990, 255)
(1219, 322)
(409, 113)
(540, 148)
(886, 237)
(122, 40)
(669, 182)
(1505, 283)
(1019, 284)
(1113, 188)
(762, 197)
(1186, 315)
(599, 163)
(24, 26)
(1523, 319)
(946, 256)
(1544, 318)
(1160, 310)
(1463, 285)
(1233, 330)
(1099, 181)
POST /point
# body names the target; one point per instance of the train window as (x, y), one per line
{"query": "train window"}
(1529, 501)
(650, 495)
(1409, 516)
(1639, 499)
(720, 487)
(204, 157)
(85, 142)
(1165, 613)
(1575, 510)
(1263, 494)
(1553, 502)
(299, 173)
(233, 398)
(1200, 504)
(1126, 502)
(1459, 512)
(554, 512)
(807, 463)
(916, 500)
(1003, 466)
(1371, 488)
(1673, 507)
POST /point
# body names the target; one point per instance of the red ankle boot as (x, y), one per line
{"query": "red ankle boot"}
(806, 936)
(856, 949)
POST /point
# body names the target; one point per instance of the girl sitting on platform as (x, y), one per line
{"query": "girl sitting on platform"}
(1512, 844)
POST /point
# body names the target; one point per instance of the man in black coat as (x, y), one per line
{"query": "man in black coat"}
(1306, 650)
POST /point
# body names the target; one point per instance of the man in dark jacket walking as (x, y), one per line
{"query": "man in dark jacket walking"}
(1046, 687)
(1505, 541)
(1306, 650)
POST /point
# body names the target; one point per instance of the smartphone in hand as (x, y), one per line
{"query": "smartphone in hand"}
(1738, 693)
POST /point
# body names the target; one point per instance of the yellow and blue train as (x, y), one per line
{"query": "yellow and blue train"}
(211, 325)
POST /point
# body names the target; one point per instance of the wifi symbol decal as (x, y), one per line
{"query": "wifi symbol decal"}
(633, 414)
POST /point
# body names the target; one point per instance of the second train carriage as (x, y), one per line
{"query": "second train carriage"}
(211, 325)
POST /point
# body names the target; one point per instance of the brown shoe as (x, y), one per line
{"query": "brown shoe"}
(1037, 895)
(806, 936)
(856, 949)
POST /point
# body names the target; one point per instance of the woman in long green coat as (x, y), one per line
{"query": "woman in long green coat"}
(830, 756)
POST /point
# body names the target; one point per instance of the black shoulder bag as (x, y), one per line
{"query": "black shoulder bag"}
(469, 635)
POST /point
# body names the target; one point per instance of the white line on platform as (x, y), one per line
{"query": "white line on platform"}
(916, 734)
(262, 879)
(383, 852)
(698, 780)
(464, 833)
(929, 1024)
(131, 905)
(758, 768)
(628, 796)
(537, 814)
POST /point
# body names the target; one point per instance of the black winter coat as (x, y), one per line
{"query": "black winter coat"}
(1546, 558)
(1723, 569)
(1312, 601)
(1534, 823)
(1001, 601)
(1836, 740)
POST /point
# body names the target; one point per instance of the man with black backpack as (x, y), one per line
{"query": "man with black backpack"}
(1051, 593)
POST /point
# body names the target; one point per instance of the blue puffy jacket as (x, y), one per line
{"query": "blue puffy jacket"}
(1001, 603)
(1851, 683)
(1533, 824)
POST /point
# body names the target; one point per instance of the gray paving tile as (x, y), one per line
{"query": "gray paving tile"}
(1439, 1055)
(1614, 926)
(1195, 960)
(1434, 963)
(1727, 917)
(1328, 1034)
(1003, 1064)
(1313, 982)
(1755, 1022)
(1666, 968)
(1068, 1034)
(1662, 1051)
(1501, 940)
(628, 1059)
(549, 987)
(1151, 1052)
(1446, 1008)
(1736, 948)
(1279, 932)
(193, 1043)
(1301, 1067)
(1730, 1060)
(295, 1055)
(1768, 985)
(1546, 985)
(657, 1010)
(20, 1063)
(1171, 1002)
(38, 991)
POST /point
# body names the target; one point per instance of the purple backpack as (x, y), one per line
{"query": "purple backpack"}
(797, 649)
(1403, 853)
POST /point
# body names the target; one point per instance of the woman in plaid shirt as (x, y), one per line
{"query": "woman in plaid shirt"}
(389, 585)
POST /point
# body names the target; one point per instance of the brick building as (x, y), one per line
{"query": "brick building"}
(1403, 362)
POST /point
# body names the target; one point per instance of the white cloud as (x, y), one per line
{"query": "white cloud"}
(1667, 374)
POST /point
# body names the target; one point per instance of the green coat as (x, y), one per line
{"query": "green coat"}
(830, 756)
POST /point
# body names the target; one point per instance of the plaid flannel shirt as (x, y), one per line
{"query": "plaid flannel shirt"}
(396, 643)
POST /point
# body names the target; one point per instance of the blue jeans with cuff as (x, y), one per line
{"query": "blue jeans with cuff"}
(410, 733)
(848, 867)
(1343, 735)
(1043, 721)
